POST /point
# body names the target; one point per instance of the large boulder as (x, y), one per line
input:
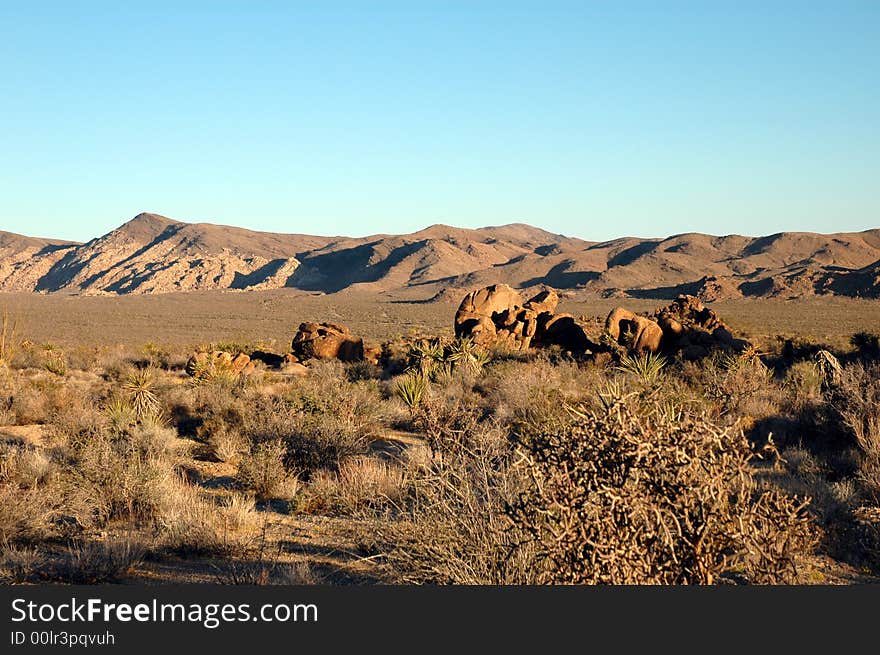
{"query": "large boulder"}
(327, 341)
(563, 330)
(637, 333)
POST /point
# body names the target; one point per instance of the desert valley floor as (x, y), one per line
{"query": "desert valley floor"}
(118, 464)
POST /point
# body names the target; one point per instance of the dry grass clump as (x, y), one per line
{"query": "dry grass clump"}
(25, 516)
(360, 483)
(98, 562)
(449, 526)
(191, 526)
(634, 494)
(227, 444)
(23, 466)
(19, 564)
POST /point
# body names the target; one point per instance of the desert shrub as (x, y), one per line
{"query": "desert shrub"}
(38, 400)
(464, 352)
(56, 363)
(25, 516)
(18, 564)
(227, 444)
(359, 483)
(263, 471)
(449, 527)
(321, 419)
(646, 367)
(364, 370)
(410, 389)
(802, 386)
(23, 466)
(123, 476)
(856, 399)
(96, 562)
(216, 373)
(121, 415)
(535, 391)
(446, 422)
(632, 494)
(191, 526)
(737, 386)
(157, 356)
(140, 388)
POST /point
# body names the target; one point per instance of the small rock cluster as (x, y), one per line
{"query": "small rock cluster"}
(312, 341)
(685, 327)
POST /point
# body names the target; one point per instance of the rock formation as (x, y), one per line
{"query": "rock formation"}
(497, 315)
(686, 327)
(327, 341)
(637, 333)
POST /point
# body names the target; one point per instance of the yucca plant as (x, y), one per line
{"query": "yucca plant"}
(425, 356)
(212, 372)
(56, 364)
(139, 386)
(465, 352)
(121, 414)
(410, 389)
(648, 367)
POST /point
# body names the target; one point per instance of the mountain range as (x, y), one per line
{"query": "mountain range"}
(155, 254)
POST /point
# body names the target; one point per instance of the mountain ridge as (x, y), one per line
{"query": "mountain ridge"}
(152, 253)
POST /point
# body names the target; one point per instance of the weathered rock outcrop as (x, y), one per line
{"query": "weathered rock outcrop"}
(636, 333)
(685, 326)
(327, 341)
(497, 315)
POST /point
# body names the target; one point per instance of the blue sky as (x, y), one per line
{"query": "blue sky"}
(593, 119)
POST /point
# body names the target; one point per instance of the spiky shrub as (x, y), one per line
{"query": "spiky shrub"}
(411, 389)
(121, 415)
(425, 357)
(56, 363)
(464, 352)
(633, 495)
(647, 367)
(139, 385)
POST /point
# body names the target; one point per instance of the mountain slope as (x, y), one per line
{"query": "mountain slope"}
(155, 254)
